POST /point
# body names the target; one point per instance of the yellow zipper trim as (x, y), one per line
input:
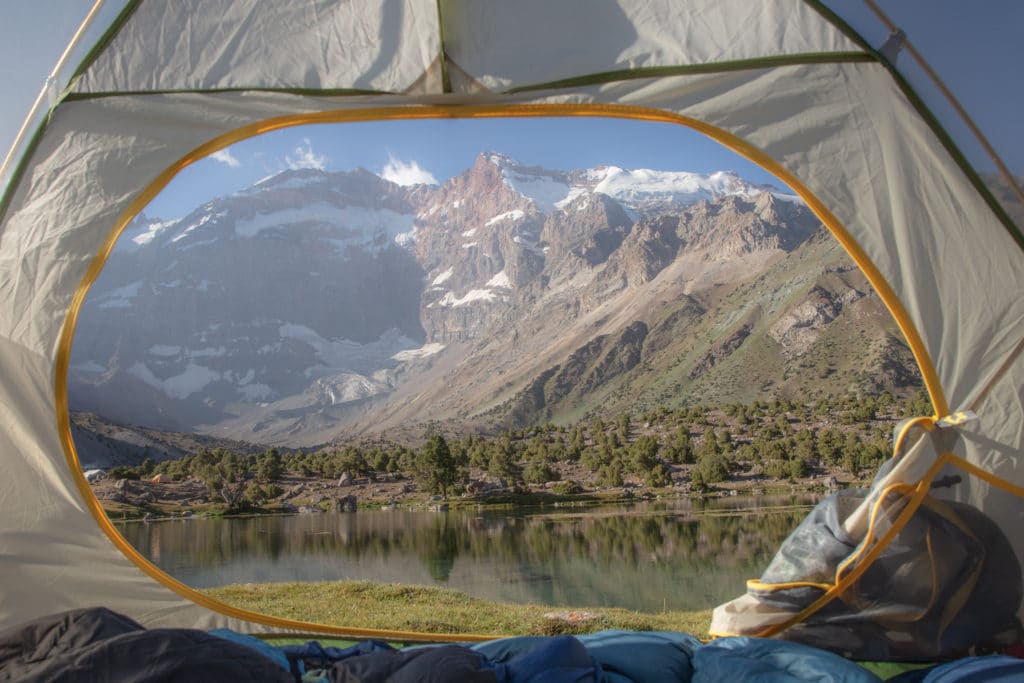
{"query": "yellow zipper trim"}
(732, 142)
(758, 585)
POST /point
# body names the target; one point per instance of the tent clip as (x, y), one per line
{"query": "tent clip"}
(893, 44)
(956, 419)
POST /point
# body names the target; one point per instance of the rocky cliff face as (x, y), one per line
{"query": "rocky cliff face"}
(315, 304)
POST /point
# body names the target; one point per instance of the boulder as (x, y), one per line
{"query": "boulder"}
(345, 504)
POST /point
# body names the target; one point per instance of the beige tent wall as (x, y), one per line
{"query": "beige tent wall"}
(232, 44)
(844, 131)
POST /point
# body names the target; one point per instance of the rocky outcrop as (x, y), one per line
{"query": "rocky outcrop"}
(720, 351)
(800, 327)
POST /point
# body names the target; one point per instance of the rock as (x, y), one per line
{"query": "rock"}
(574, 617)
(345, 479)
(346, 504)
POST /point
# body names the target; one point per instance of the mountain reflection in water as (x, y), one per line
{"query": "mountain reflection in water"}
(675, 555)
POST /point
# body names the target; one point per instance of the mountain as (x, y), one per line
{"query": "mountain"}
(315, 305)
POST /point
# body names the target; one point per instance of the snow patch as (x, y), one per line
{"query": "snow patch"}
(345, 354)
(422, 352)
(545, 192)
(122, 296)
(346, 387)
(366, 224)
(450, 300)
(406, 239)
(675, 186)
(569, 198)
(442, 278)
(146, 234)
(164, 350)
(297, 179)
(191, 228)
(500, 280)
(194, 378)
(471, 232)
(469, 245)
(514, 215)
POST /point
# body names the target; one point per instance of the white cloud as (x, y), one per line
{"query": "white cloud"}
(305, 157)
(401, 173)
(224, 156)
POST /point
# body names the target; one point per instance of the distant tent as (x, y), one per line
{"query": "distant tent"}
(785, 83)
(161, 478)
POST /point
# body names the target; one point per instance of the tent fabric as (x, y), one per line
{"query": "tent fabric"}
(223, 44)
(387, 46)
(180, 80)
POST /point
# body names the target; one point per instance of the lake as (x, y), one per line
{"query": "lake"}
(651, 556)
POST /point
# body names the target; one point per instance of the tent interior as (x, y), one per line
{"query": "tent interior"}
(924, 564)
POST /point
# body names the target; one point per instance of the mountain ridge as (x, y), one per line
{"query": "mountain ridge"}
(314, 305)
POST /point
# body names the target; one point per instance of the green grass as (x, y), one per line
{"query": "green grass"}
(396, 607)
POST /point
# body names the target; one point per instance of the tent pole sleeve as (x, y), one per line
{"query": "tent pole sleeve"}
(446, 79)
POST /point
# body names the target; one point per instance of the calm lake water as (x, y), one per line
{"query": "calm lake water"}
(652, 556)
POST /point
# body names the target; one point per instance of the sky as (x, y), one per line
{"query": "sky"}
(961, 40)
(432, 151)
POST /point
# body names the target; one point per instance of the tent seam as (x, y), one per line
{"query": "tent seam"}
(638, 73)
(446, 79)
(311, 92)
(104, 42)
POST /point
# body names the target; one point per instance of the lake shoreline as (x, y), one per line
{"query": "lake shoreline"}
(127, 500)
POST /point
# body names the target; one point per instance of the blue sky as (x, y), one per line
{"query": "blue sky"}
(975, 46)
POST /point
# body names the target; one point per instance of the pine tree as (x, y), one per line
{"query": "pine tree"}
(436, 467)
